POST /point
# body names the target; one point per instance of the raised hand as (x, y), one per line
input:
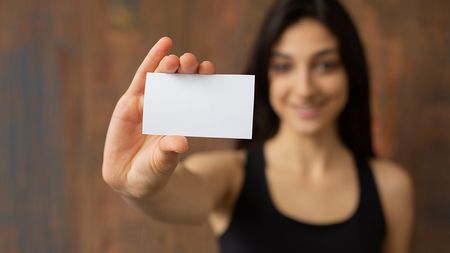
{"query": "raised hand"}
(138, 165)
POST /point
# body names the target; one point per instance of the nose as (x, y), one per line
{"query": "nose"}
(304, 85)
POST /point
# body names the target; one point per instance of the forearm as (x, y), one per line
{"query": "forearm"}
(184, 199)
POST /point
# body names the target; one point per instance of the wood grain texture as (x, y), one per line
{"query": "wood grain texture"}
(64, 64)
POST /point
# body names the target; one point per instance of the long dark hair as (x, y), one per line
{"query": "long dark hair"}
(354, 122)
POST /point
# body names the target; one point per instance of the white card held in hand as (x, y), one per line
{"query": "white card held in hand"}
(219, 106)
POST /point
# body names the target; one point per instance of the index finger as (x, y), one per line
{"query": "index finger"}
(150, 63)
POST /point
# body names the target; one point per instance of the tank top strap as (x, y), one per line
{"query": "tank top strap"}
(254, 181)
(255, 163)
(370, 206)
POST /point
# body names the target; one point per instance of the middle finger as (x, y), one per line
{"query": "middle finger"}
(188, 64)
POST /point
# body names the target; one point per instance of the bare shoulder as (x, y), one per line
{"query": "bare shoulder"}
(396, 193)
(222, 169)
(397, 198)
(217, 159)
(224, 172)
(393, 180)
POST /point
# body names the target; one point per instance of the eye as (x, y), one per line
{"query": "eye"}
(326, 66)
(281, 67)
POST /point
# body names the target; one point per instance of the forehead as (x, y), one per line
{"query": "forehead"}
(305, 38)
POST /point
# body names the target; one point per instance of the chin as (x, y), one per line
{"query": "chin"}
(306, 128)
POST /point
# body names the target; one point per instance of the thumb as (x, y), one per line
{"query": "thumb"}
(161, 162)
(169, 149)
(171, 143)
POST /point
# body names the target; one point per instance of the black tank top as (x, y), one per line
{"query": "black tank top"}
(258, 227)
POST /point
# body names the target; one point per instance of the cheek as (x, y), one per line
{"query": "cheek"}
(339, 92)
(278, 91)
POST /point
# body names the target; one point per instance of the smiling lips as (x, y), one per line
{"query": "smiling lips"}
(307, 111)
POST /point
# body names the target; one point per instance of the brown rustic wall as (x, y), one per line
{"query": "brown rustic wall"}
(63, 65)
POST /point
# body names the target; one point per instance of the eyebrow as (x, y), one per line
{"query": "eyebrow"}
(315, 56)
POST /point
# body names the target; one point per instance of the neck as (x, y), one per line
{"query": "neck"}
(309, 154)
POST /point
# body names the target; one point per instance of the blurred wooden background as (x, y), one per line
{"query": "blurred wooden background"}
(63, 65)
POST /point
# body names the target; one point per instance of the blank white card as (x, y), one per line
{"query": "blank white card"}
(219, 106)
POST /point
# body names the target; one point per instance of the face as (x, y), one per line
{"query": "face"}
(308, 83)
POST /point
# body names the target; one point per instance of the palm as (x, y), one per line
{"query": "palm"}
(125, 145)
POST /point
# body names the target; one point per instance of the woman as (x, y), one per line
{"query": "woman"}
(308, 182)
